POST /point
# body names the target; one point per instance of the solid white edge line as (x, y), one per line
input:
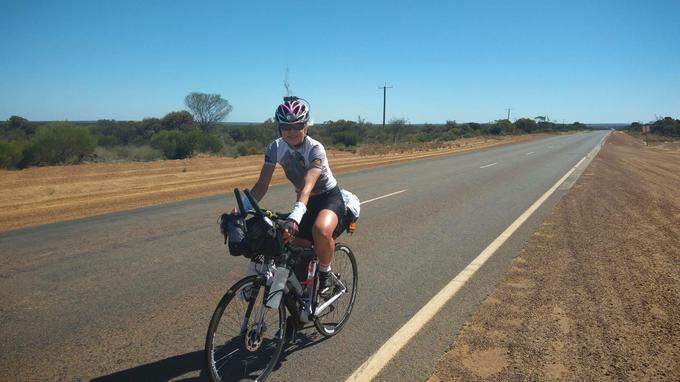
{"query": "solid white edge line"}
(381, 197)
(369, 369)
(489, 165)
(529, 153)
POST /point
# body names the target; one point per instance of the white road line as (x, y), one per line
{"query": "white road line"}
(369, 369)
(489, 165)
(529, 153)
(384, 196)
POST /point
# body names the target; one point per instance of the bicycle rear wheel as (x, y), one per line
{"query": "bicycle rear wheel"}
(344, 267)
(238, 346)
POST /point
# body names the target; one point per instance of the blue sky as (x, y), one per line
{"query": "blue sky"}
(587, 61)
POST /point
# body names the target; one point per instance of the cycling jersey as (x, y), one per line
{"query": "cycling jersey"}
(296, 161)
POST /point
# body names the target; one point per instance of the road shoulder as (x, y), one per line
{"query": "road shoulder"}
(595, 293)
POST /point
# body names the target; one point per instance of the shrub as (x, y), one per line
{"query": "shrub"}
(59, 143)
(144, 153)
(667, 126)
(174, 144)
(248, 148)
(108, 141)
(209, 143)
(10, 154)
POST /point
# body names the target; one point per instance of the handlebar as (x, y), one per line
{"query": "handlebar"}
(253, 202)
(239, 201)
(288, 253)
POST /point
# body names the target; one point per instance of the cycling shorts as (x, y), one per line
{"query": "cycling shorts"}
(330, 200)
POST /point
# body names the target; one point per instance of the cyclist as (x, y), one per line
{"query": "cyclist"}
(319, 205)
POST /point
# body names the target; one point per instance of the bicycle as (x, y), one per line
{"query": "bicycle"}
(249, 326)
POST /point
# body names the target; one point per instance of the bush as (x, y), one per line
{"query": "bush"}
(667, 126)
(59, 143)
(142, 153)
(174, 144)
(108, 141)
(248, 148)
(10, 154)
(209, 143)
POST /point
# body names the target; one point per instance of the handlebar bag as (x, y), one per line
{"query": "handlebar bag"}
(260, 238)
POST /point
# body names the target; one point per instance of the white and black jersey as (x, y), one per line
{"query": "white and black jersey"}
(296, 161)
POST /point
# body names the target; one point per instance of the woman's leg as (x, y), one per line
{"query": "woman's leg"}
(322, 231)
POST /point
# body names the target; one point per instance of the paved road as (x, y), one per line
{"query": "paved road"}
(129, 295)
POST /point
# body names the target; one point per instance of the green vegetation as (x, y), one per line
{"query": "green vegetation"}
(10, 154)
(58, 143)
(667, 127)
(349, 133)
(182, 134)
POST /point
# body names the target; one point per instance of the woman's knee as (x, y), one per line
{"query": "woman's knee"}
(323, 230)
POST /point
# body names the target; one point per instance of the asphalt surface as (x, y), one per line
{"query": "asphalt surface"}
(128, 296)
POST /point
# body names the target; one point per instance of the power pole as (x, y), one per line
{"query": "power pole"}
(509, 113)
(384, 88)
(286, 84)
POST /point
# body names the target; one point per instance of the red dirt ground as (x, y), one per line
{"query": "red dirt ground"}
(595, 293)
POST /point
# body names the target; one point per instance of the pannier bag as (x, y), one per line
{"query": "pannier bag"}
(352, 210)
(352, 205)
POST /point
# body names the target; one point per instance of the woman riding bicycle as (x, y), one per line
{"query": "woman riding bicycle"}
(319, 205)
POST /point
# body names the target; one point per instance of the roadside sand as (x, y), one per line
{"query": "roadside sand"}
(595, 293)
(49, 194)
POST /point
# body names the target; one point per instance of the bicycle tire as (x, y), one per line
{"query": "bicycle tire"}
(226, 356)
(331, 321)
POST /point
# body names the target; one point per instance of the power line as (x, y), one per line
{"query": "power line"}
(384, 88)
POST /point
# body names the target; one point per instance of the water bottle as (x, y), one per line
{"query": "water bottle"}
(276, 290)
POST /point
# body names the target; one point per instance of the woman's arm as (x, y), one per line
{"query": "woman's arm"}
(300, 206)
(311, 177)
(262, 185)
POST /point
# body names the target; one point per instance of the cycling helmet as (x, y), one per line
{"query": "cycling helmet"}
(292, 110)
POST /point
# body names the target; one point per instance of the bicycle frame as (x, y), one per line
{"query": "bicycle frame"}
(304, 310)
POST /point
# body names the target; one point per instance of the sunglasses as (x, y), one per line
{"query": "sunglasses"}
(292, 126)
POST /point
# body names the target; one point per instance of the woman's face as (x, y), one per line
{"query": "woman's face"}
(294, 134)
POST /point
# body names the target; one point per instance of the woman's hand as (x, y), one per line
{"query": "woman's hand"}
(290, 229)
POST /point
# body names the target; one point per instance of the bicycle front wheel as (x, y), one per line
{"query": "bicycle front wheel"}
(245, 338)
(344, 267)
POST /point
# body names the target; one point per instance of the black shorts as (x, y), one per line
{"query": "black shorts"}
(331, 200)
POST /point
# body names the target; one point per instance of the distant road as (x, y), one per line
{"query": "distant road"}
(129, 295)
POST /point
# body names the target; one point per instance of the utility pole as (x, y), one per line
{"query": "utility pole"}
(384, 88)
(286, 84)
(509, 113)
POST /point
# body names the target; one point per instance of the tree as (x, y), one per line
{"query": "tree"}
(178, 120)
(207, 109)
(397, 127)
(16, 129)
(20, 123)
(148, 127)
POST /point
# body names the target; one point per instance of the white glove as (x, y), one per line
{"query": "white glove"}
(299, 209)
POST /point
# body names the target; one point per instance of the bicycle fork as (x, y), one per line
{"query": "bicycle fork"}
(253, 337)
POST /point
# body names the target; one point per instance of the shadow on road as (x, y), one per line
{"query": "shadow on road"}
(177, 366)
(163, 370)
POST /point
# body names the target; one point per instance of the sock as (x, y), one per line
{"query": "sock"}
(324, 267)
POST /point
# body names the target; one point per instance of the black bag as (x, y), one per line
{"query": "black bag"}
(255, 236)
